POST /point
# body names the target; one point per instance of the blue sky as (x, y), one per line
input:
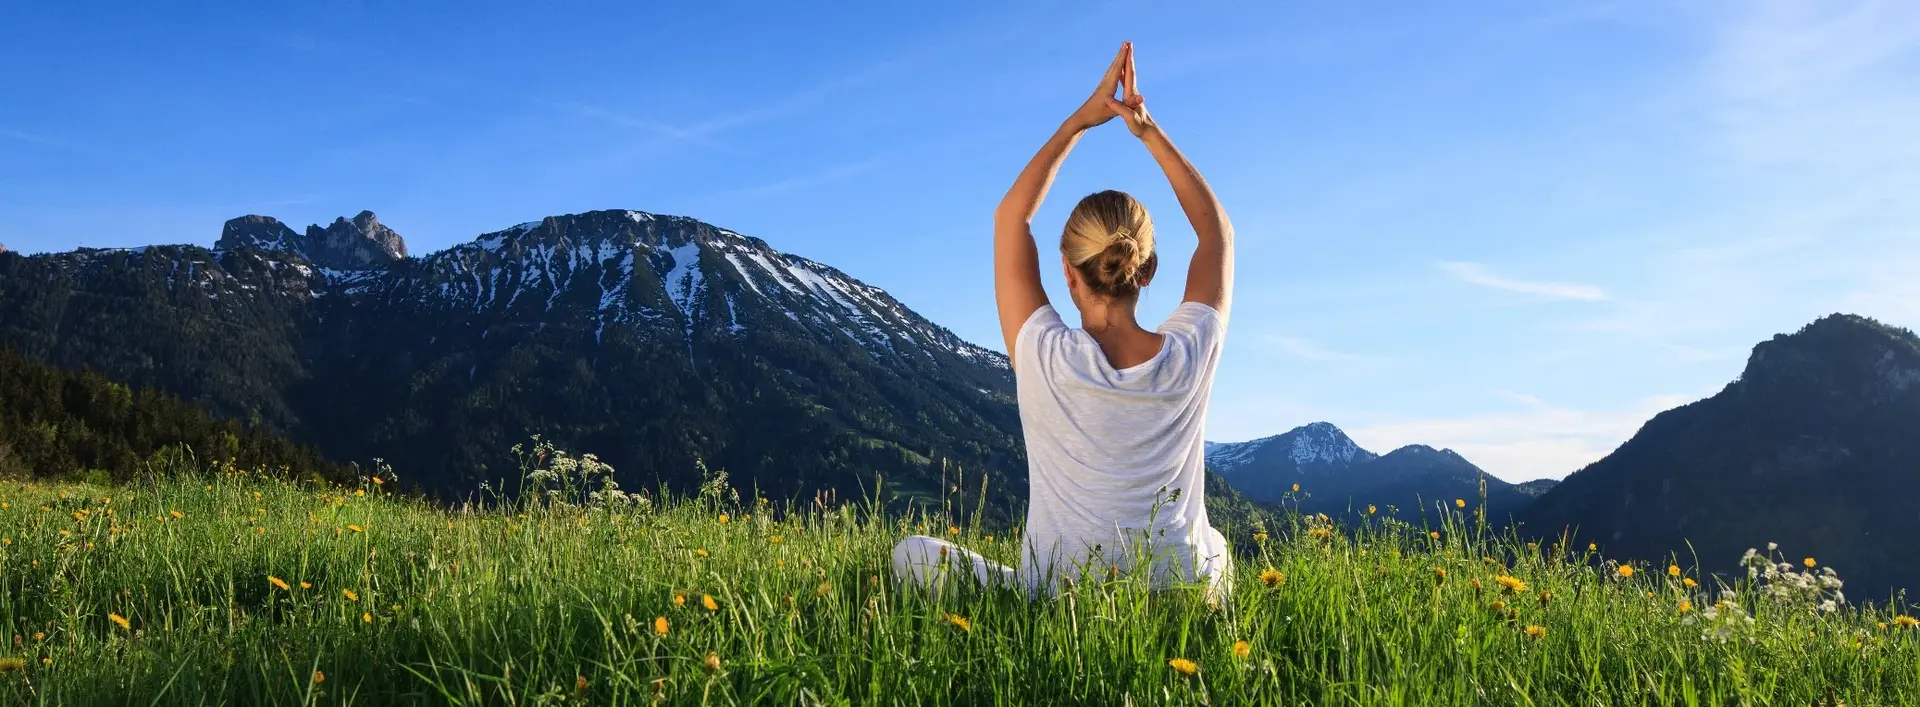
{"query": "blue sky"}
(1515, 229)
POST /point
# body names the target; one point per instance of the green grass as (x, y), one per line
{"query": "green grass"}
(510, 607)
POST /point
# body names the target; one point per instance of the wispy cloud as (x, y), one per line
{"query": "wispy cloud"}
(1478, 274)
(1310, 350)
(1541, 441)
(44, 140)
(810, 180)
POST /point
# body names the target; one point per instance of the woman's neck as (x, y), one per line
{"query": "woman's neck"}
(1113, 325)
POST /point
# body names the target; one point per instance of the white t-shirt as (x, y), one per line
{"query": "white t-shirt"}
(1105, 446)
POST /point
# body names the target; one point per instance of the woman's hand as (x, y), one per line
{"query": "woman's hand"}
(1095, 111)
(1131, 106)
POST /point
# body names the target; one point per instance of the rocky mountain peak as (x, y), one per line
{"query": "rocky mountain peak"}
(1841, 358)
(258, 232)
(360, 243)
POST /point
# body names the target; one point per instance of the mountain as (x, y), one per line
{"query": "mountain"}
(653, 341)
(1815, 446)
(1337, 476)
(1266, 469)
(61, 424)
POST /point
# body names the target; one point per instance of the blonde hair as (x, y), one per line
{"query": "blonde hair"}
(1109, 239)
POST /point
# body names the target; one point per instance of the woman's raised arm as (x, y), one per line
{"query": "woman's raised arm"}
(1210, 275)
(1016, 261)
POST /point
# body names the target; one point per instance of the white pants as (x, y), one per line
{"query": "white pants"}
(927, 562)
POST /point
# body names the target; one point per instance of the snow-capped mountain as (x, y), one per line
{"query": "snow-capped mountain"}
(1336, 475)
(652, 340)
(1303, 450)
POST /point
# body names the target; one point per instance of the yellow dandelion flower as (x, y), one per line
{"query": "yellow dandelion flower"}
(660, 625)
(1371, 509)
(712, 662)
(1673, 570)
(706, 600)
(723, 519)
(348, 593)
(176, 515)
(1322, 533)
(953, 530)
(1808, 562)
(39, 635)
(1475, 583)
(1511, 585)
(1498, 605)
(319, 677)
(46, 661)
(1272, 577)
(12, 665)
(1241, 649)
(1439, 574)
(278, 582)
(679, 599)
(1906, 622)
(1459, 503)
(1435, 534)
(961, 622)
(1689, 583)
(359, 492)
(1545, 597)
(120, 621)
(306, 585)
(701, 552)
(356, 529)
(989, 538)
(1626, 571)
(366, 618)
(1591, 547)
(1296, 488)
(1685, 606)
(1184, 666)
(580, 683)
(824, 589)
(65, 533)
(1260, 536)
(777, 540)
(1537, 631)
(377, 481)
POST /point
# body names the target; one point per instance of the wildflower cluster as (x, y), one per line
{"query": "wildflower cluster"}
(1784, 585)
(561, 479)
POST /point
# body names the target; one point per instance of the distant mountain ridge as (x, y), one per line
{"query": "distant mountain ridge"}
(1337, 476)
(1815, 446)
(652, 340)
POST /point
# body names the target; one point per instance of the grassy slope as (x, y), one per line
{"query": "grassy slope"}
(499, 608)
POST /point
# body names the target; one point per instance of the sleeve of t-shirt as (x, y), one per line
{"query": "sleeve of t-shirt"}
(1040, 330)
(1201, 324)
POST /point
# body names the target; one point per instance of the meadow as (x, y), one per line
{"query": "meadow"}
(202, 586)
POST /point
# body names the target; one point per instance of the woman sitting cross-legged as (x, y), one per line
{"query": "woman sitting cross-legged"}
(1113, 413)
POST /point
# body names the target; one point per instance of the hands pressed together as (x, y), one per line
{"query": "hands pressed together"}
(1102, 106)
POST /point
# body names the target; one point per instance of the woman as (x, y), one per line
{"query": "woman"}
(1113, 413)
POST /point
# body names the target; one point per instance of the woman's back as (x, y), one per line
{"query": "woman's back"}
(1115, 456)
